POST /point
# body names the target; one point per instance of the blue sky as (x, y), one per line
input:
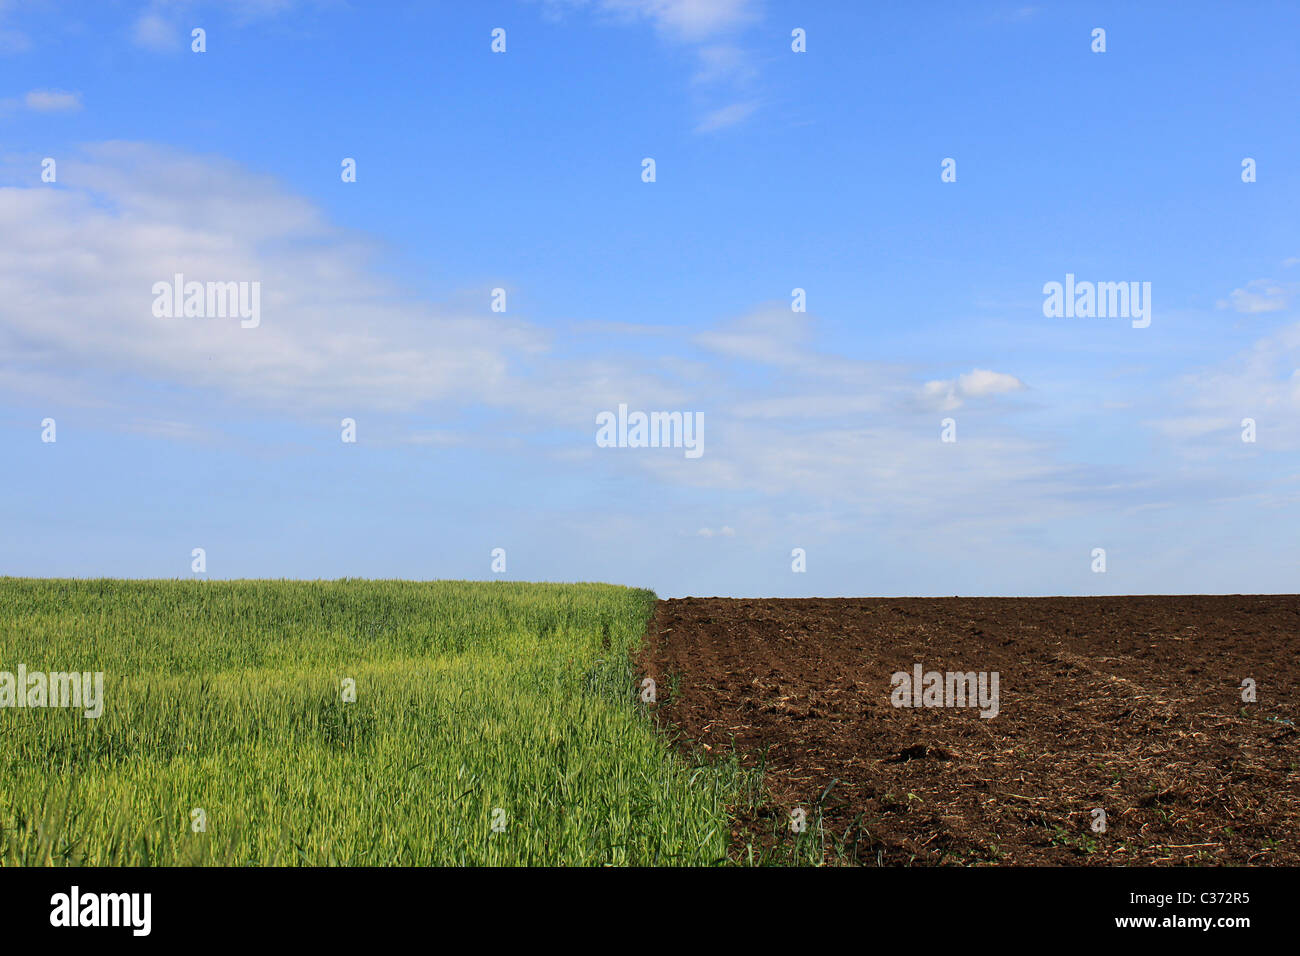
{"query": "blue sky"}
(775, 170)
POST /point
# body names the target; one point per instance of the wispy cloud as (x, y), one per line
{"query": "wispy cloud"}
(1259, 295)
(77, 276)
(75, 306)
(687, 20)
(725, 531)
(950, 394)
(165, 25)
(1015, 14)
(707, 25)
(773, 335)
(726, 116)
(724, 62)
(1260, 382)
(52, 101)
(153, 32)
(14, 41)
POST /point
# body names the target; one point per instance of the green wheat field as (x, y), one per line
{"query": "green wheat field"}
(226, 740)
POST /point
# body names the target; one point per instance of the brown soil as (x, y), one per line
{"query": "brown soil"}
(1133, 705)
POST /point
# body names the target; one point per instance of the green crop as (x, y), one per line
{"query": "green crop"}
(225, 738)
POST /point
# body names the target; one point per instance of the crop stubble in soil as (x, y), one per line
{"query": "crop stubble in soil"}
(1130, 704)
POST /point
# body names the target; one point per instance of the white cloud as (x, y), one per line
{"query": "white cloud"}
(950, 394)
(441, 438)
(1259, 295)
(11, 41)
(80, 263)
(1026, 12)
(160, 27)
(726, 116)
(52, 101)
(981, 382)
(600, 327)
(14, 41)
(829, 406)
(153, 32)
(724, 62)
(76, 319)
(166, 430)
(854, 469)
(1261, 382)
(774, 335)
(941, 395)
(704, 24)
(688, 20)
(724, 531)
